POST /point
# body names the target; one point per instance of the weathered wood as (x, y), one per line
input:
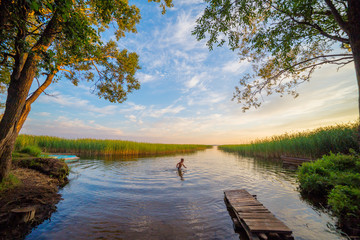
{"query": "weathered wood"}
(286, 236)
(253, 216)
(23, 215)
(237, 225)
(263, 236)
(294, 160)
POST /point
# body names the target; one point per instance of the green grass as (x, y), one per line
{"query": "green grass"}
(312, 144)
(34, 151)
(101, 147)
(9, 182)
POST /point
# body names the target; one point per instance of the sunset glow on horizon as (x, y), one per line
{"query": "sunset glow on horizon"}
(186, 92)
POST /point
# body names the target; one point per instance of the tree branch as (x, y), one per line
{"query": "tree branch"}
(345, 56)
(321, 31)
(6, 55)
(261, 86)
(42, 88)
(338, 18)
(61, 69)
(313, 25)
(26, 109)
(37, 28)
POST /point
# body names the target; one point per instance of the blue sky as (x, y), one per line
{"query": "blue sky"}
(186, 92)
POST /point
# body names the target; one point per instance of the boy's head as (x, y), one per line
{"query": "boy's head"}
(182, 160)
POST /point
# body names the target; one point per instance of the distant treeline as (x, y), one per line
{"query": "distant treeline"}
(101, 147)
(312, 144)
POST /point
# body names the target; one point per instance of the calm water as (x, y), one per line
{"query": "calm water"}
(146, 198)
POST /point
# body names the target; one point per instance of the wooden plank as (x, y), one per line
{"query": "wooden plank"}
(253, 216)
(253, 208)
(294, 160)
(274, 221)
(263, 236)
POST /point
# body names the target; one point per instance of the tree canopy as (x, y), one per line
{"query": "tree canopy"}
(284, 40)
(48, 40)
(76, 48)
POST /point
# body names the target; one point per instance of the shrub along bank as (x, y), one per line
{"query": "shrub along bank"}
(336, 179)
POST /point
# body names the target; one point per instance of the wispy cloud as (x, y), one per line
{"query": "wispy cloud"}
(153, 112)
(68, 127)
(235, 67)
(77, 103)
(186, 93)
(144, 78)
(43, 114)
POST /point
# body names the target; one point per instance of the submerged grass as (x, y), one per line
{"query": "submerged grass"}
(101, 147)
(312, 144)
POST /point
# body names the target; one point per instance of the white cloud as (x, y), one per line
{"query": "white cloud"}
(44, 114)
(69, 128)
(179, 33)
(144, 78)
(77, 103)
(136, 107)
(168, 110)
(193, 82)
(235, 67)
(187, 2)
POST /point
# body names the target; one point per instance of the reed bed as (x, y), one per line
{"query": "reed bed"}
(88, 146)
(309, 144)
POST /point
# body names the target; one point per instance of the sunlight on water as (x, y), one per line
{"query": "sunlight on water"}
(147, 198)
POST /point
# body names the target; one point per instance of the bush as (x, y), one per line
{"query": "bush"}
(315, 178)
(336, 178)
(345, 201)
(32, 150)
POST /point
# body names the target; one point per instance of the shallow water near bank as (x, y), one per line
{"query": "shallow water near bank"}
(147, 198)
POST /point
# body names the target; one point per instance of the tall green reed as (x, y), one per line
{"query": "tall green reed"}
(311, 144)
(101, 147)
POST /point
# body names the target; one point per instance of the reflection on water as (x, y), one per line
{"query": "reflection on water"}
(148, 198)
(181, 174)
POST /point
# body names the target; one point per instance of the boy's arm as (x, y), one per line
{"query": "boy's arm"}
(184, 166)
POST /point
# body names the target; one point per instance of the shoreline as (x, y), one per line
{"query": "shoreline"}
(34, 199)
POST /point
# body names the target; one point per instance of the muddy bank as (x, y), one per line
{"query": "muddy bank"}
(34, 199)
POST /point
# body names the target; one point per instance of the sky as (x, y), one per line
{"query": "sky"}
(186, 93)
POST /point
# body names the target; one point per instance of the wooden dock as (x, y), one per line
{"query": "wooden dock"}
(257, 221)
(294, 160)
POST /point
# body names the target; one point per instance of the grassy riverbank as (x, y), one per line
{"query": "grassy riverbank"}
(29, 195)
(313, 144)
(102, 147)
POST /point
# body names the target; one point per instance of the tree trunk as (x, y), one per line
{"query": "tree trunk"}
(17, 94)
(354, 36)
(15, 110)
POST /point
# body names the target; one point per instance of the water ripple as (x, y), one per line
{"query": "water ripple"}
(147, 198)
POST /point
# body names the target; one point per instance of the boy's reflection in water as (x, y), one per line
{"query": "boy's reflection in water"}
(181, 174)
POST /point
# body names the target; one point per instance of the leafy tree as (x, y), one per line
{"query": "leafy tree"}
(48, 40)
(285, 40)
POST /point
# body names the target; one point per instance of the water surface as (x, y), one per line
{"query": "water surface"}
(147, 198)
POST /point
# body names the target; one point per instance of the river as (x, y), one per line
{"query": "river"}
(147, 198)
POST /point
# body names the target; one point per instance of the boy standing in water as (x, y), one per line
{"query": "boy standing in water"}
(180, 164)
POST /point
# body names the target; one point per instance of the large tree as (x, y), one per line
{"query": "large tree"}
(48, 40)
(285, 40)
